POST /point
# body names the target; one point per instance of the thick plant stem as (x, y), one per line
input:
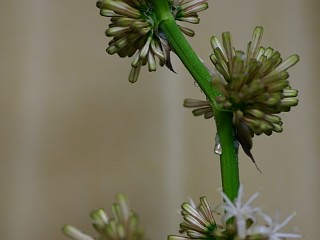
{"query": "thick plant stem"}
(229, 157)
(178, 43)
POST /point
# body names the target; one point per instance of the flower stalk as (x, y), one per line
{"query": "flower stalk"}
(178, 43)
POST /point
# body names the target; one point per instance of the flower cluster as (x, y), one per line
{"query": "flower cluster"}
(254, 85)
(134, 30)
(124, 225)
(239, 222)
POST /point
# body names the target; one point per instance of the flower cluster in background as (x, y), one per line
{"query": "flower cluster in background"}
(134, 30)
(239, 221)
(124, 224)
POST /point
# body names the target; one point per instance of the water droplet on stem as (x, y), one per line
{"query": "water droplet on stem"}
(217, 146)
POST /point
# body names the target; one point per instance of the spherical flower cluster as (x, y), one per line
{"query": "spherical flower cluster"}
(239, 221)
(134, 30)
(124, 225)
(254, 85)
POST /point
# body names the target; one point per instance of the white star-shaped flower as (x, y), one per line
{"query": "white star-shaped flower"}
(241, 212)
(273, 227)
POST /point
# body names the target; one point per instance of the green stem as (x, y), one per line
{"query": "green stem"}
(179, 44)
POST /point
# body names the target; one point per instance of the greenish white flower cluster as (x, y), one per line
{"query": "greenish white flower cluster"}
(135, 32)
(239, 222)
(124, 224)
(254, 84)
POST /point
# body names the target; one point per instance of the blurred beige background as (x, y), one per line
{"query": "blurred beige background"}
(73, 131)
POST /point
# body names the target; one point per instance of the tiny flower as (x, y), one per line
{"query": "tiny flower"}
(198, 221)
(241, 212)
(187, 11)
(271, 231)
(124, 224)
(134, 30)
(201, 107)
(75, 233)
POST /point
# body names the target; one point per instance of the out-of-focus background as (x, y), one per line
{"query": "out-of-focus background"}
(73, 131)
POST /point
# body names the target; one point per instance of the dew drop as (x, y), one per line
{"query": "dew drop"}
(217, 149)
(217, 146)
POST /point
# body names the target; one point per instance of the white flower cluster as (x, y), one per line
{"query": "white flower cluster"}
(242, 212)
(240, 221)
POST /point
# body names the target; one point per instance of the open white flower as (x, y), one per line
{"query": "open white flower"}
(240, 221)
(241, 212)
(271, 231)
